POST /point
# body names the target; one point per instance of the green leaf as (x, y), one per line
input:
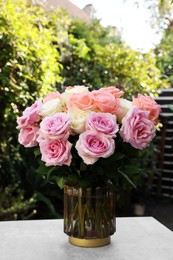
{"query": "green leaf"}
(130, 169)
(118, 156)
(127, 178)
(115, 157)
(37, 152)
(50, 171)
(60, 182)
(42, 169)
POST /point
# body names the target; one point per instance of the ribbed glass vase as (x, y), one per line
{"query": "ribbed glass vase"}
(89, 215)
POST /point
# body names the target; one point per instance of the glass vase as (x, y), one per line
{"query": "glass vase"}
(89, 215)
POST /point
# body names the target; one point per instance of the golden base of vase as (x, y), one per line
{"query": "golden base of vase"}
(89, 242)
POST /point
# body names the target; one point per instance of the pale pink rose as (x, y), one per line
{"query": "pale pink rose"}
(149, 104)
(92, 145)
(55, 127)
(28, 136)
(56, 152)
(103, 123)
(52, 95)
(137, 129)
(106, 103)
(116, 92)
(83, 101)
(30, 115)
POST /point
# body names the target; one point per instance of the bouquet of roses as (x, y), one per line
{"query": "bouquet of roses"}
(86, 136)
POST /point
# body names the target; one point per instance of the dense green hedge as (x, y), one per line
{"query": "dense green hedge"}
(30, 66)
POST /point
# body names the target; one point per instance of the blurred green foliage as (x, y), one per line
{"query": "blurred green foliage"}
(164, 54)
(95, 59)
(41, 51)
(29, 67)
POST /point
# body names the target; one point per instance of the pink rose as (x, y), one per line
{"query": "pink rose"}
(103, 123)
(149, 104)
(56, 152)
(52, 95)
(30, 115)
(92, 145)
(55, 127)
(28, 135)
(116, 92)
(137, 129)
(83, 101)
(106, 103)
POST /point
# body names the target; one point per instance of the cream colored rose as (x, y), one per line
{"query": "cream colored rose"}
(72, 90)
(125, 105)
(51, 107)
(77, 120)
(76, 89)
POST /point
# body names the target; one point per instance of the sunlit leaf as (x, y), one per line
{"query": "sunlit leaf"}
(60, 182)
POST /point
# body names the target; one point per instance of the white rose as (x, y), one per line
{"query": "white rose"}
(76, 89)
(72, 90)
(77, 120)
(51, 107)
(125, 105)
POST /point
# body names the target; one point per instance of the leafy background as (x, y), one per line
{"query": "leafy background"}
(42, 51)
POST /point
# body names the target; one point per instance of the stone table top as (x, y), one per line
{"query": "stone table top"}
(136, 238)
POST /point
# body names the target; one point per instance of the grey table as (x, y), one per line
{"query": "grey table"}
(139, 238)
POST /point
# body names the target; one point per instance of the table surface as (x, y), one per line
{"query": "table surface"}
(136, 238)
